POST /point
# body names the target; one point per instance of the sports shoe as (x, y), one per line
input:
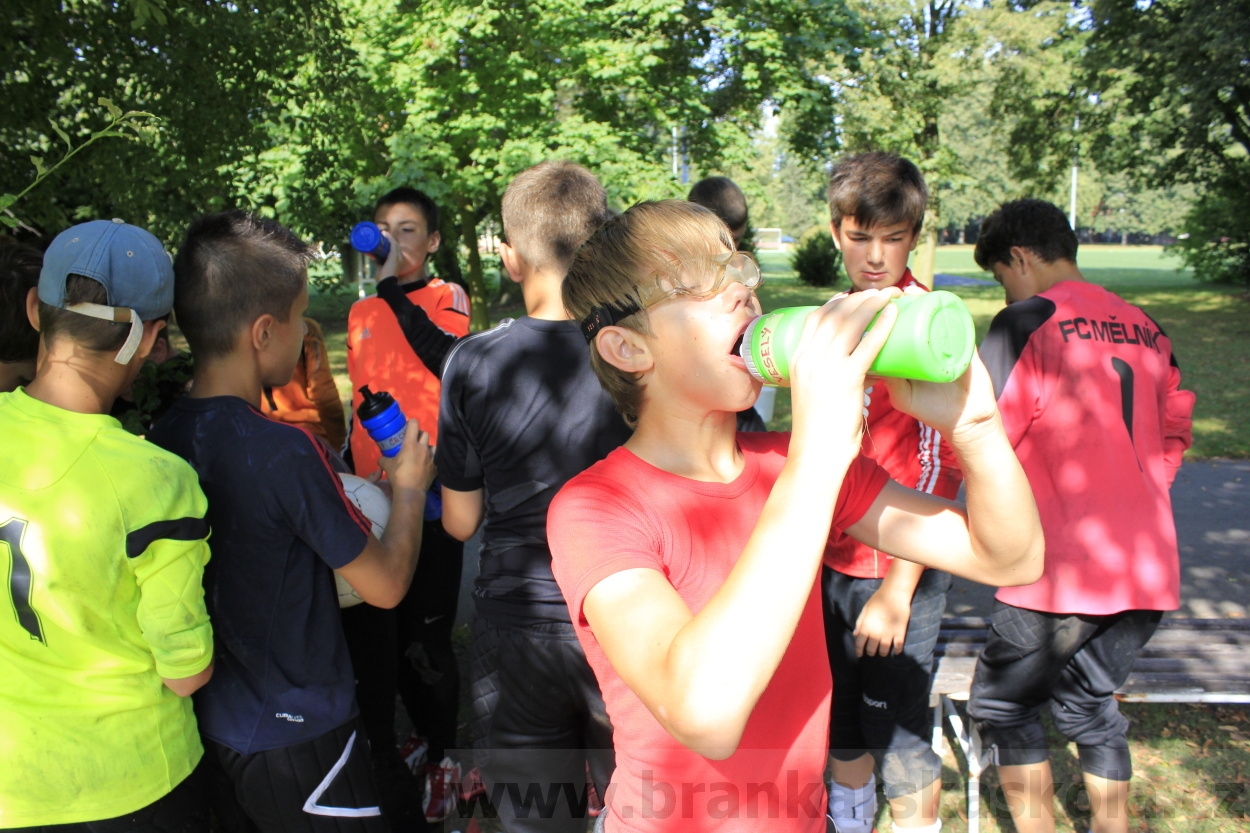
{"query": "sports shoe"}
(414, 752)
(472, 785)
(440, 789)
(594, 804)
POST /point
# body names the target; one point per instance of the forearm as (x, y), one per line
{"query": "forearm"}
(901, 579)
(428, 341)
(720, 662)
(401, 539)
(1004, 529)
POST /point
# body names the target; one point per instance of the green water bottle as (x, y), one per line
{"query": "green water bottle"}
(933, 339)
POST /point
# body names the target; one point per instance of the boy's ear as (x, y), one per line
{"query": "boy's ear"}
(915, 240)
(151, 329)
(624, 349)
(1021, 259)
(32, 306)
(513, 263)
(837, 235)
(433, 241)
(261, 331)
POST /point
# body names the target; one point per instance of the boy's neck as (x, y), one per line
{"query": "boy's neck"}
(232, 375)
(699, 448)
(418, 277)
(543, 298)
(77, 380)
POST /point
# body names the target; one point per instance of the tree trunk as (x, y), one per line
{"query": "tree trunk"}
(1124, 238)
(926, 254)
(479, 318)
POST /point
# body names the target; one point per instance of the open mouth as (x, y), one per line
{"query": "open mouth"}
(737, 345)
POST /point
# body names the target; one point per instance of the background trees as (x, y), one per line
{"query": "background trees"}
(307, 110)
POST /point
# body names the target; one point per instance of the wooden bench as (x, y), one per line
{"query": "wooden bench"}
(1186, 661)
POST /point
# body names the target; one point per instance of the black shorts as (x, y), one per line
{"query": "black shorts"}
(881, 704)
(325, 785)
(1074, 663)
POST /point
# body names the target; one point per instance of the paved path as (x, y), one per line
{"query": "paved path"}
(1211, 501)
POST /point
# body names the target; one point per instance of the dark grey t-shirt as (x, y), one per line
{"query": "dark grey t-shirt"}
(521, 414)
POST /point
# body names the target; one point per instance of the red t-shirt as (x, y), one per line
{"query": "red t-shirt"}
(913, 453)
(623, 513)
(1091, 401)
(379, 355)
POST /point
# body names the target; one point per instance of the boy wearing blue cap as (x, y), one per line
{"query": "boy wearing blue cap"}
(102, 536)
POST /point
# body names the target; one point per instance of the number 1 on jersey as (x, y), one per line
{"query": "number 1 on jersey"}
(20, 578)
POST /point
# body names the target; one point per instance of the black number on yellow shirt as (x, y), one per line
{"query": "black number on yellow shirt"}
(11, 532)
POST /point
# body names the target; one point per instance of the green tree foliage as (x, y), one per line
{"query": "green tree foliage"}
(891, 94)
(261, 105)
(494, 87)
(1173, 81)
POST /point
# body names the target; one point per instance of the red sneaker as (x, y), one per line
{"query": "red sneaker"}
(472, 785)
(441, 782)
(414, 752)
(594, 804)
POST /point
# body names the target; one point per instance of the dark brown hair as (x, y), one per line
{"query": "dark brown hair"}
(87, 332)
(19, 273)
(877, 189)
(232, 268)
(1036, 225)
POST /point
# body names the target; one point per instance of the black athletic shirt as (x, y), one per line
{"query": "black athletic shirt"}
(521, 414)
(280, 522)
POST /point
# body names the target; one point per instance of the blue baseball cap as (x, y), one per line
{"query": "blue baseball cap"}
(129, 262)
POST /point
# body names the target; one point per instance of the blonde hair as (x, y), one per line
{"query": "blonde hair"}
(550, 210)
(627, 251)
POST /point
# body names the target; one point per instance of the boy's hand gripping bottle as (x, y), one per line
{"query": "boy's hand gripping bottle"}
(932, 340)
(381, 416)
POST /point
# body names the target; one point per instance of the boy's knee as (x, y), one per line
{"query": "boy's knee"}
(1094, 725)
(1017, 745)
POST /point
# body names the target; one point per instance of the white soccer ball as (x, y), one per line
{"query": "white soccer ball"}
(376, 506)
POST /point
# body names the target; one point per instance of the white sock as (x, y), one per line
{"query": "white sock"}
(853, 810)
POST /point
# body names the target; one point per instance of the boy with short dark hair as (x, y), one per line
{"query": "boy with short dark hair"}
(521, 414)
(725, 199)
(19, 341)
(103, 537)
(397, 341)
(1090, 396)
(882, 615)
(689, 556)
(279, 719)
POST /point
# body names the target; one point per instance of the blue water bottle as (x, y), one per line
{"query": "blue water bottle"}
(382, 417)
(368, 239)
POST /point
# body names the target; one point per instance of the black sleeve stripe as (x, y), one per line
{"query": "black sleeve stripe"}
(1172, 356)
(181, 529)
(1009, 334)
(430, 342)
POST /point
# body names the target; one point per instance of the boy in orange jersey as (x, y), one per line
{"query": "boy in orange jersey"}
(396, 342)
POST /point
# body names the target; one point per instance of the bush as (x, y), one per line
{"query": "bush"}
(816, 259)
(1218, 245)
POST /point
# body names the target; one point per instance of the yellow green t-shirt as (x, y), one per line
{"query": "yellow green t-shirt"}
(102, 553)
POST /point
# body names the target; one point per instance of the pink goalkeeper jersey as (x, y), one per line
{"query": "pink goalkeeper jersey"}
(623, 513)
(1091, 400)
